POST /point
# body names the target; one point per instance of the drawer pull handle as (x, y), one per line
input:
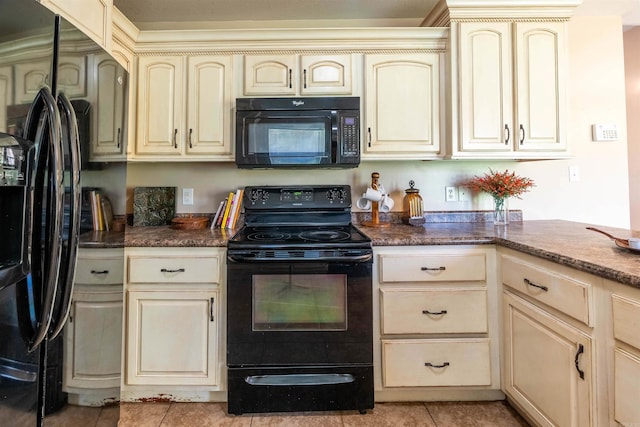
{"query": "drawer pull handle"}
(530, 283)
(577, 361)
(99, 271)
(435, 313)
(431, 365)
(178, 270)
(433, 268)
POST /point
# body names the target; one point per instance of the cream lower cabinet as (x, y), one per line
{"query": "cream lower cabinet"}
(93, 333)
(174, 323)
(625, 303)
(402, 108)
(549, 357)
(511, 79)
(184, 108)
(434, 338)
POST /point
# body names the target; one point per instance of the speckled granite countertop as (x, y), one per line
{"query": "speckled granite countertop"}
(564, 242)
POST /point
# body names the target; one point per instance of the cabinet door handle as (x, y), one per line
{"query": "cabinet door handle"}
(431, 365)
(175, 141)
(99, 271)
(522, 134)
(190, 133)
(290, 73)
(369, 132)
(435, 313)
(166, 270)
(213, 300)
(577, 361)
(72, 305)
(304, 78)
(506, 128)
(442, 268)
(530, 283)
(118, 138)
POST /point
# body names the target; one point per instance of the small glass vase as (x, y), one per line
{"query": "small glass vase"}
(500, 210)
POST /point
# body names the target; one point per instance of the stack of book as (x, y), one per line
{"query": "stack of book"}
(229, 210)
(101, 210)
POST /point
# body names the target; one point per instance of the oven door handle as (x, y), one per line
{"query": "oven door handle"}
(355, 259)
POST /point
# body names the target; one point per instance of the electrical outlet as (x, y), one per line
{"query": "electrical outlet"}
(574, 174)
(187, 196)
(450, 194)
(464, 194)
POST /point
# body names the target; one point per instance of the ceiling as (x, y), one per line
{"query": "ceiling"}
(171, 14)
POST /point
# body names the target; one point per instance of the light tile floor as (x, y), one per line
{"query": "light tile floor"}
(412, 414)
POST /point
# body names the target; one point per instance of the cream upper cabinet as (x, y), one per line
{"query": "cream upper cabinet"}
(6, 95)
(402, 106)
(184, 108)
(29, 78)
(72, 75)
(93, 17)
(209, 106)
(108, 88)
(291, 75)
(511, 82)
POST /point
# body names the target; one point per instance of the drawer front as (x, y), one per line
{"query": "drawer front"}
(179, 269)
(95, 271)
(569, 296)
(627, 388)
(421, 363)
(432, 268)
(409, 311)
(626, 320)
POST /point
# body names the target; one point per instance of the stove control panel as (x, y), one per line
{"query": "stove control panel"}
(298, 197)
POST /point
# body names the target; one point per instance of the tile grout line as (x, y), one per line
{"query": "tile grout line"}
(430, 415)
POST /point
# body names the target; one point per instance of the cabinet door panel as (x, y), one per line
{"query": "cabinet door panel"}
(270, 75)
(540, 69)
(109, 86)
(403, 103)
(72, 76)
(627, 387)
(6, 95)
(542, 358)
(170, 337)
(29, 78)
(485, 87)
(160, 93)
(209, 100)
(326, 74)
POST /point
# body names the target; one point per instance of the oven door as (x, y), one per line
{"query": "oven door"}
(299, 313)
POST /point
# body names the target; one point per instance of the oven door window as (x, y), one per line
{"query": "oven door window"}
(299, 302)
(290, 140)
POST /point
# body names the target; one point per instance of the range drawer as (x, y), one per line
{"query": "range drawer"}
(420, 311)
(571, 297)
(446, 362)
(178, 269)
(432, 268)
(96, 271)
(626, 320)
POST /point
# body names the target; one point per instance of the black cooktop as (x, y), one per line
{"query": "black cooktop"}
(299, 236)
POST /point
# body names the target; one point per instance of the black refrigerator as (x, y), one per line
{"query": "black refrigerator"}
(42, 152)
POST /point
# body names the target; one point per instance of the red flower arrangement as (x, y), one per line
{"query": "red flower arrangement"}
(501, 184)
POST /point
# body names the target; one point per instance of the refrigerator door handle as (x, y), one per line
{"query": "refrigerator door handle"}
(45, 244)
(70, 249)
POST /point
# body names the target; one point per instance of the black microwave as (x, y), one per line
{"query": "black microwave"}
(298, 132)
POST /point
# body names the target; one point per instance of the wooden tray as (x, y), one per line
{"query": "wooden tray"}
(190, 223)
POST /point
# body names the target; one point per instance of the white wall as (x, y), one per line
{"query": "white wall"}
(632, 75)
(596, 95)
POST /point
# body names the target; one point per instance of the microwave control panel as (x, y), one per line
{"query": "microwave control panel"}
(350, 139)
